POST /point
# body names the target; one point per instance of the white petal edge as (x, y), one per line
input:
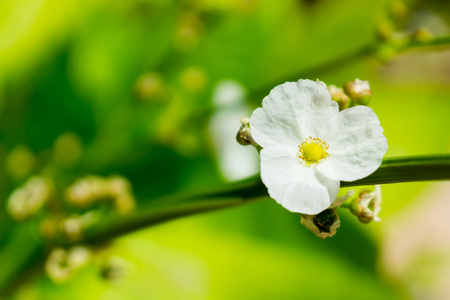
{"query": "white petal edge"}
(291, 112)
(296, 187)
(357, 144)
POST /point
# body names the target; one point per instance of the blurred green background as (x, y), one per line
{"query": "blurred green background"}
(153, 90)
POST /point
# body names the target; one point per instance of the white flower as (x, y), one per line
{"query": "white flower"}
(309, 146)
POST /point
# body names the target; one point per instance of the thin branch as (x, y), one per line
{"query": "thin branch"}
(393, 170)
(432, 42)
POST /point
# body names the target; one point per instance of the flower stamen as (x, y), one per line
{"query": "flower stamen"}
(313, 150)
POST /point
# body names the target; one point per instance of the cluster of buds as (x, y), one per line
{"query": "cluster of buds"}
(355, 92)
(62, 264)
(399, 29)
(28, 199)
(368, 205)
(92, 190)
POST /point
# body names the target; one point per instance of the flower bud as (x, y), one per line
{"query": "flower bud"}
(244, 137)
(384, 30)
(386, 52)
(118, 185)
(422, 35)
(399, 11)
(365, 220)
(74, 226)
(359, 90)
(29, 198)
(20, 162)
(194, 79)
(355, 207)
(62, 264)
(87, 191)
(368, 205)
(188, 32)
(92, 189)
(338, 95)
(150, 86)
(120, 190)
(67, 149)
(324, 224)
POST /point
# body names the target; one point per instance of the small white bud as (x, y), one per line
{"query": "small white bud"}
(359, 90)
(338, 95)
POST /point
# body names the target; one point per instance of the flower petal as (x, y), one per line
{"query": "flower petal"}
(292, 112)
(296, 187)
(357, 144)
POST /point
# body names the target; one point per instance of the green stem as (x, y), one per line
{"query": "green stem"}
(436, 41)
(408, 169)
(392, 170)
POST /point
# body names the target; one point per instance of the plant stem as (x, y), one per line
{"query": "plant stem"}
(436, 41)
(392, 170)
(408, 169)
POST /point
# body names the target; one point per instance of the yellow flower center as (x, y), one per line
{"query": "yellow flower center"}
(313, 150)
